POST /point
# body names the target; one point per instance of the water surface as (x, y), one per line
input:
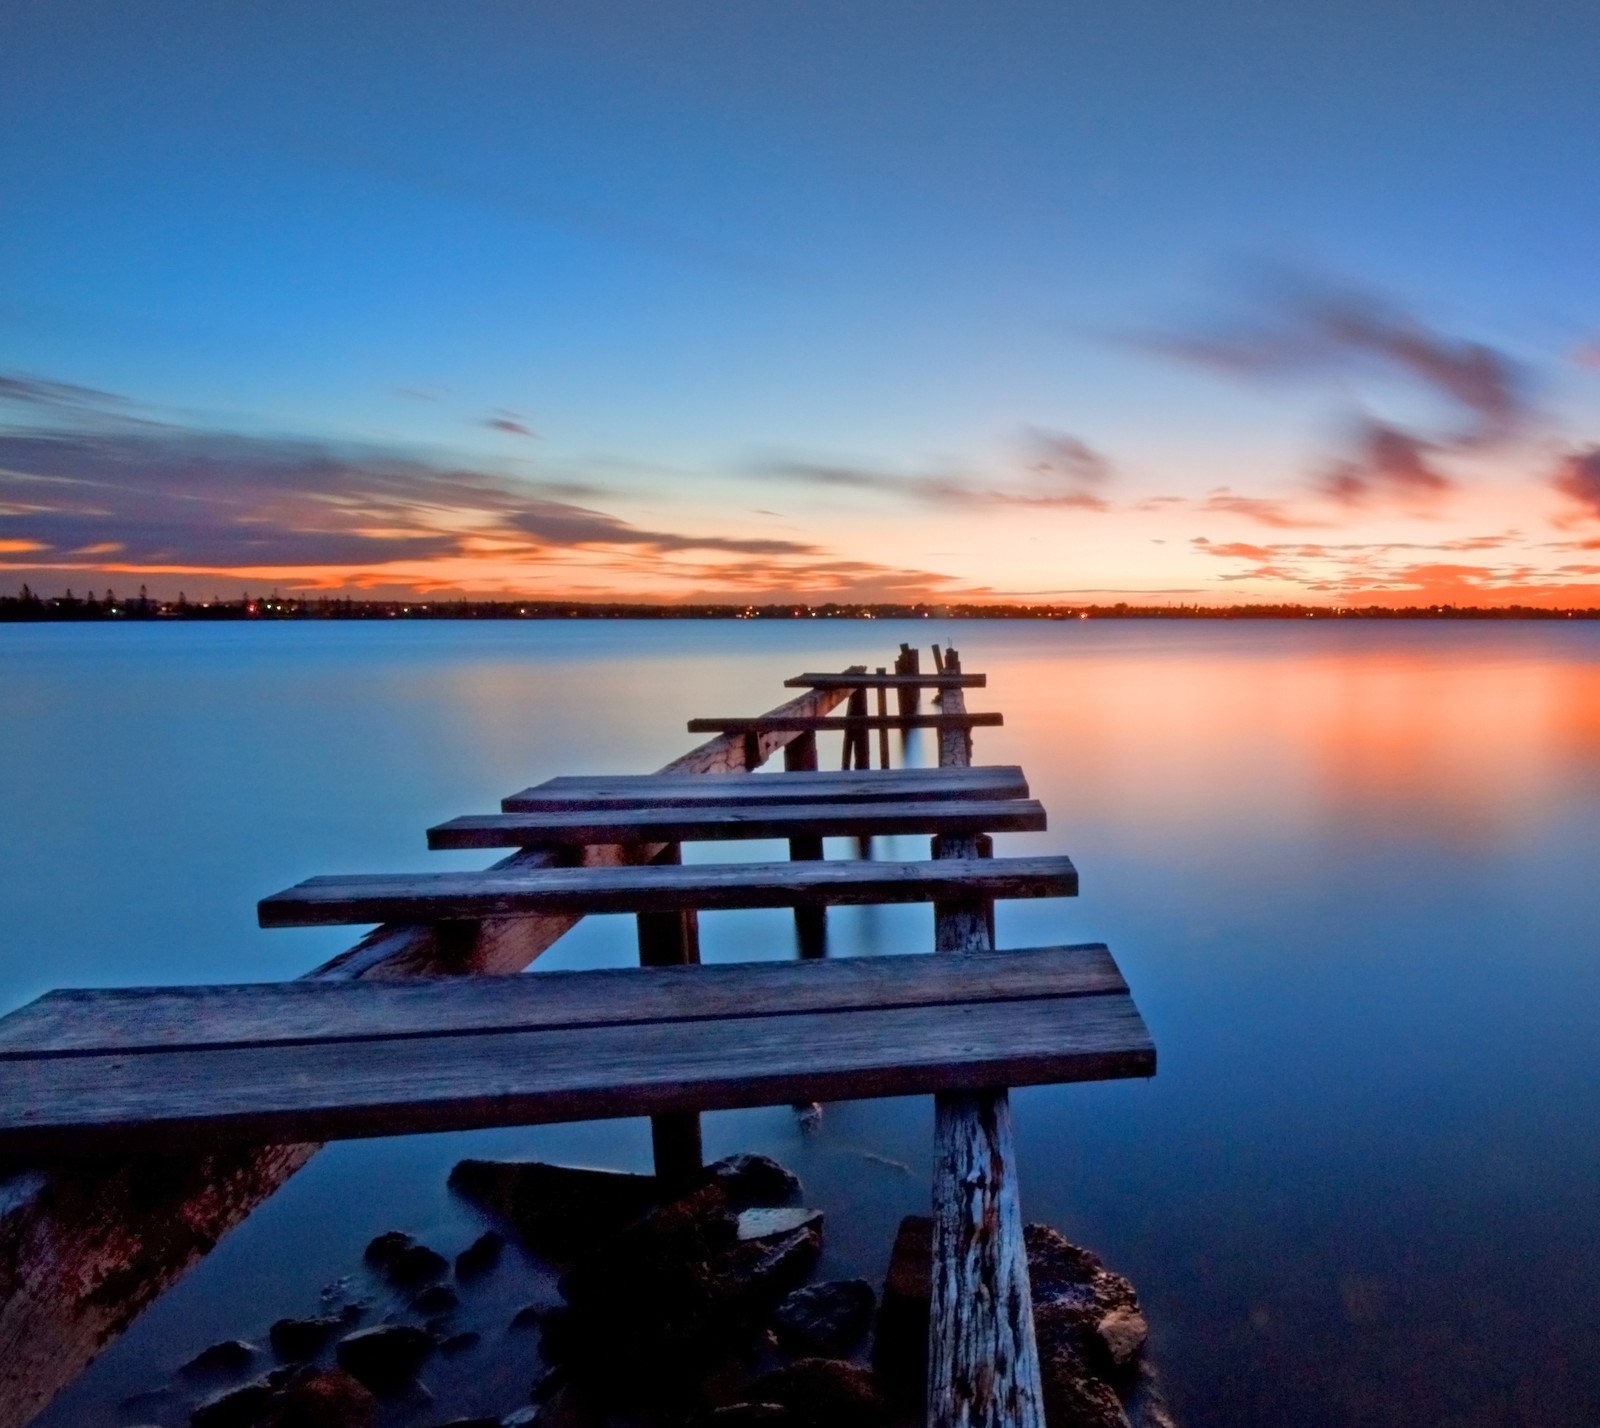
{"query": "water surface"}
(1347, 870)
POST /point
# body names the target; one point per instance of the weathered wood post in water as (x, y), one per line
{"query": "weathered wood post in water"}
(883, 729)
(672, 939)
(983, 1362)
(810, 923)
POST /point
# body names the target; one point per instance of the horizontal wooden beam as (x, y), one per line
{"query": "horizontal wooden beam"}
(887, 681)
(134, 1020)
(677, 824)
(469, 897)
(573, 792)
(853, 722)
(98, 1103)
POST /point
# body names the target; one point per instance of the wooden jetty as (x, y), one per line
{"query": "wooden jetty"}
(141, 1124)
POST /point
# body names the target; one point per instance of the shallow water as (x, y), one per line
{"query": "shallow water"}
(1347, 870)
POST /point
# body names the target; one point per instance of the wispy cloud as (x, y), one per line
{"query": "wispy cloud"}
(1578, 477)
(1297, 327)
(1058, 471)
(81, 489)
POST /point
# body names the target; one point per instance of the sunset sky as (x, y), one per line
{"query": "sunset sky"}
(1152, 301)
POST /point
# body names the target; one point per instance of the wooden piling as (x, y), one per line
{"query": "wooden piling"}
(810, 923)
(983, 1362)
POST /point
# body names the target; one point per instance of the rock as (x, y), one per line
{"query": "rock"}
(652, 1310)
(480, 1256)
(783, 1264)
(556, 1210)
(436, 1299)
(385, 1359)
(1073, 1295)
(900, 1350)
(237, 1408)
(825, 1318)
(297, 1339)
(767, 1224)
(752, 1180)
(417, 1265)
(330, 1399)
(530, 1316)
(520, 1418)
(460, 1343)
(752, 1415)
(383, 1250)
(230, 1356)
(824, 1393)
(1123, 1332)
(403, 1260)
(477, 1422)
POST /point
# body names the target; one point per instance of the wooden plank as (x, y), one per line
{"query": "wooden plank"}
(887, 681)
(854, 724)
(95, 1105)
(573, 792)
(84, 1250)
(983, 1360)
(702, 823)
(135, 1020)
(469, 897)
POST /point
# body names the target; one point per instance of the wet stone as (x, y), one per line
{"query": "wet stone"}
(436, 1299)
(556, 1210)
(417, 1265)
(331, 1399)
(297, 1339)
(767, 1224)
(900, 1350)
(753, 1180)
(230, 1356)
(237, 1408)
(383, 1250)
(385, 1359)
(824, 1393)
(826, 1318)
(482, 1255)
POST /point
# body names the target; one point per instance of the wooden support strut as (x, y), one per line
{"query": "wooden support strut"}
(810, 923)
(83, 1250)
(983, 1361)
(668, 939)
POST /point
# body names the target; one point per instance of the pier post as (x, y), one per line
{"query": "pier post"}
(883, 732)
(668, 939)
(983, 1361)
(810, 923)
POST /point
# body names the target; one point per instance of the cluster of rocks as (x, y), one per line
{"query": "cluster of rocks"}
(691, 1308)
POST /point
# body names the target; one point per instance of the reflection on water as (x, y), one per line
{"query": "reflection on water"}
(1348, 871)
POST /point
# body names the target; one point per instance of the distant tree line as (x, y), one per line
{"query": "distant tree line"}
(29, 605)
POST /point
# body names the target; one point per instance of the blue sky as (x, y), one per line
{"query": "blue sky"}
(699, 251)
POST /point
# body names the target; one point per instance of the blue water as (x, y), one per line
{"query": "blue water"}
(1347, 869)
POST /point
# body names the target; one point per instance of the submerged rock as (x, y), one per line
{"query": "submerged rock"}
(386, 1358)
(768, 1224)
(330, 1399)
(480, 1256)
(900, 1349)
(825, 1318)
(230, 1356)
(236, 1408)
(403, 1260)
(823, 1393)
(436, 1299)
(296, 1339)
(556, 1210)
(1079, 1303)
(655, 1308)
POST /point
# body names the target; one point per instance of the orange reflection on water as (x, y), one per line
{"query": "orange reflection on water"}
(1460, 739)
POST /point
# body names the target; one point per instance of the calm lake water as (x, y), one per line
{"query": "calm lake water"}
(1348, 870)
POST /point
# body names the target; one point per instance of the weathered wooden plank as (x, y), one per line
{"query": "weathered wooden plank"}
(681, 824)
(470, 897)
(134, 1020)
(983, 1360)
(575, 792)
(887, 681)
(854, 724)
(84, 1250)
(93, 1105)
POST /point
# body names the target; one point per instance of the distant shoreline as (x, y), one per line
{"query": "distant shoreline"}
(29, 608)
